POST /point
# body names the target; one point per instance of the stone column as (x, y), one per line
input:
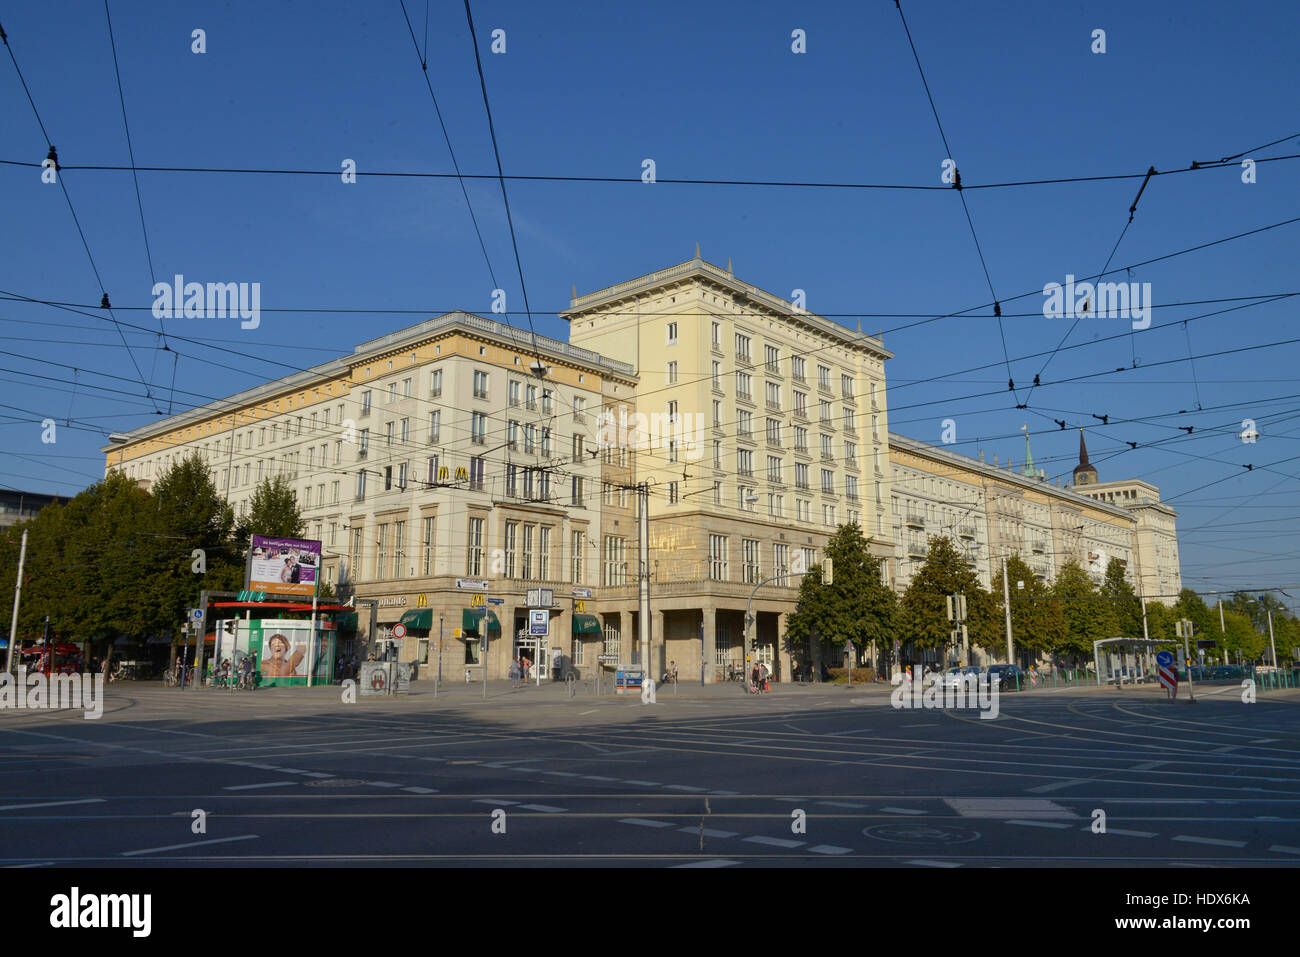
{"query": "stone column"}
(709, 645)
(660, 658)
(782, 647)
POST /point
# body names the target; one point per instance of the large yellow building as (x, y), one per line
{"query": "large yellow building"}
(450, 467)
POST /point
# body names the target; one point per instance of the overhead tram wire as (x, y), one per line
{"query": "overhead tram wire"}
(997, 308)
(1132, 210)
(805, 353)
(62, 181)
(442, 310)
(130, 149)
(505, 198)
(671, 181)
(455, 164)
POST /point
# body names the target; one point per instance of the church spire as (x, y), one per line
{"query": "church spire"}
(1084, 473)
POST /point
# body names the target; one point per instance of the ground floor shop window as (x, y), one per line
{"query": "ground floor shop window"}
(471, 651)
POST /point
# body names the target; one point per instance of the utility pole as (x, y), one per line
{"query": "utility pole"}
(1006, 603)
(18, 590)
(1271, 642)
(643, 575)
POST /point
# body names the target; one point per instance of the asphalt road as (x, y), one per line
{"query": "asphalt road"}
(708, 777)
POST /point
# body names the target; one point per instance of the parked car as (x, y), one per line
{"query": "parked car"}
(1008, 677)
(953, 677)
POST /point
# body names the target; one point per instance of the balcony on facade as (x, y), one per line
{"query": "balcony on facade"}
(915, 521)
(917, 549)
(967, 531)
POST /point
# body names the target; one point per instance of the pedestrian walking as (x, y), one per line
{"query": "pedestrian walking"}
(514, 673)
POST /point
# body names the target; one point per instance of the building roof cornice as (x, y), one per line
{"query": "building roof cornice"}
(697, 270)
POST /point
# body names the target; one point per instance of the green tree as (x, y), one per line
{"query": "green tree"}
(1125, 607)
(273, 512)
(188, 514)
(1036, 621)
(923, 611)
(1087, 619)
(856, 607)
(1160, 622)
(1242, 640)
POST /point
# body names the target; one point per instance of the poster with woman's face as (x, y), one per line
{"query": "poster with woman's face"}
(283, 566)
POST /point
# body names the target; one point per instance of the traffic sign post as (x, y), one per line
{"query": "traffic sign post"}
(1167, 673)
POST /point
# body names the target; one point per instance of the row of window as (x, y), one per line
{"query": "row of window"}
(751, 559)
(772, 360)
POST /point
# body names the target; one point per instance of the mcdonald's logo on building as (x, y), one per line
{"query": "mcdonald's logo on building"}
(421, 601)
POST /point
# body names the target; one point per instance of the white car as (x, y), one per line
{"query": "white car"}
(954, 677)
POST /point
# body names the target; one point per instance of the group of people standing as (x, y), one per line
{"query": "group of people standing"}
(519, 671)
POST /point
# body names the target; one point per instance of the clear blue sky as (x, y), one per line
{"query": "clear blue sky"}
(709, 91)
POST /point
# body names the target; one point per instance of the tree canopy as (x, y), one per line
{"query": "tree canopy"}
(118, 560)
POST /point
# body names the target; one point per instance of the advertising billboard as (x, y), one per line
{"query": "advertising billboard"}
(283, 566)
(280, 650)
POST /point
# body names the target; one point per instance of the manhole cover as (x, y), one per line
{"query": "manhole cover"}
(335, 783)
(920, 833)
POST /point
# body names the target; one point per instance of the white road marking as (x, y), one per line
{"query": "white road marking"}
(712, 863)
(493, 801)
(177, 847)
(1265, 740)
(1218, 842)
(830, 849)
(418, 790)
(1121, 831)
(644, 822)
(1147, 765)
(893, 810)
(924, 863)
(851, 804)
(1007, 807)
(383, 784)
(19, 807)
(316, 774)
(250, 787)
(1037, 823)
(1283, 849)
(708, 832)
(648, 784)
(597, 777)
(774, 841)
(592, 711)
(1057, 785)
(542, 807)
(684, 787)
(563, 774)
(725, 793)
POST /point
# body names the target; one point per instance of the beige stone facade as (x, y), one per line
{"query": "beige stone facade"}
(451, 466)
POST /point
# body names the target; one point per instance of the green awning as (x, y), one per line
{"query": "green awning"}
(421, 618)
(470, 618)
(586, 625)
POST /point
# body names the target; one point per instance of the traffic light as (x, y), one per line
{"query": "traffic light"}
(828, 572)
(228, 626)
